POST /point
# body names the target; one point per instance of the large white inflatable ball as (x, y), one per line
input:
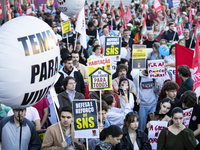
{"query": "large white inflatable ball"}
(70, 7)
(29, 61)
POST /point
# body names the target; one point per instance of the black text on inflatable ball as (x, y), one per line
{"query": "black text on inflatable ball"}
(42, 72)
(35, 96)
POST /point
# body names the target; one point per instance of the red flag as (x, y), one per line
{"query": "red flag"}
(128, 17)
(112, 12)
(157, 6)
(28, 8)
(144, 30)
(75, 17)
(1, 14)
(8, 9)
(122, 15)
(103, 5)
(144, 11)
(179, 22)
(108, 4)
(184, 56)
(196, 65)
(19, 8)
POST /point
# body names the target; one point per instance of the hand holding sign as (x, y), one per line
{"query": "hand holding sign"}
(29, 56)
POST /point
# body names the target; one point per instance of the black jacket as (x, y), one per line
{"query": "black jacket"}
(80, 86)
(142, 140)
(130, 42)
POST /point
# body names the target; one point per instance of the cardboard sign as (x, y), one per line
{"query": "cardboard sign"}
(176, 3)
(156, 68)
(85, 119)
(99, 71)
(187, 116)
(154, 131)
(139, 56)
(66, 29)
(112, 47)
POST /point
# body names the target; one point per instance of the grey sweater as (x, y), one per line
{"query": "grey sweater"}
(147, 91)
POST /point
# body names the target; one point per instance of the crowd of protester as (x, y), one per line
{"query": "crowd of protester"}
(126, 114)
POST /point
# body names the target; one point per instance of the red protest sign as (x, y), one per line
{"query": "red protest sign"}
(157, 6)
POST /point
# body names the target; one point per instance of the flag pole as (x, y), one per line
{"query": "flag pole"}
(75, 41)
(100, 108)
(174, 36)
(191, 41)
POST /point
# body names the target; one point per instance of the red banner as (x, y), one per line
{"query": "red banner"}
(1, 13)
(128, 17)
(184, 56)
(8, 9)
(19, 8)
(157, 6)
(196, 66)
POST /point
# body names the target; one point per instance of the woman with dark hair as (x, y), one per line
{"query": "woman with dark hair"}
(189, 100)
(125, 94)
(161, 114)
(133, 138)
(97, 52)
(109, 138)
(176, 136)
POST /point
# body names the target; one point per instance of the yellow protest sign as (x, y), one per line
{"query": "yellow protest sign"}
(66, 28)
(139, 53)
(99, 71)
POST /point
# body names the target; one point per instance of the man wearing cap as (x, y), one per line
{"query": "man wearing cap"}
(127, 39)
(83, 54)
(17, 132)
(170, 35)
(91, 32)
(69, 70)
(150, 40)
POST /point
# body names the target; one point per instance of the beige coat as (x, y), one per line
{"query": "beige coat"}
(84, 72)
(53, 138)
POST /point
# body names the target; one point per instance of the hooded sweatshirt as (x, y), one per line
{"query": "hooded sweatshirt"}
(147, 91)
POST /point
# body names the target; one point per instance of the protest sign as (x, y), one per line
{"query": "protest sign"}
(139, 56)
(157, 6)
(85, 119)
(112, 47)
(154, 131)
(99, 71)
(176, 3)
(187, 116)
(66, 29)
(156, 68)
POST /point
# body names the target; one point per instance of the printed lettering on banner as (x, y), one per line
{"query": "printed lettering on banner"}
(156, 68)
(112, 47)
(85, 119)
(99, 71)
(154, 131)
(187, 116)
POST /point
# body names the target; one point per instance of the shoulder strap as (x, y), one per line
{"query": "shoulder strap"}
(139, 80)
(166, 134)
(170, 74)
